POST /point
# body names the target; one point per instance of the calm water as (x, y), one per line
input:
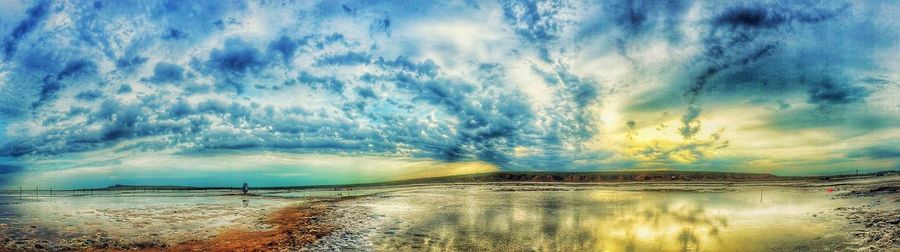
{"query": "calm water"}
(496, 218)
(610, 219)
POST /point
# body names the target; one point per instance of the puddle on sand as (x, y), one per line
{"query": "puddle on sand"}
(478, 218)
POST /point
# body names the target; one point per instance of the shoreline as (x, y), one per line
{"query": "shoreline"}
(512, 177)
(343, 222)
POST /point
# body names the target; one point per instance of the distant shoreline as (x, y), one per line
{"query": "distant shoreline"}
(516, 177)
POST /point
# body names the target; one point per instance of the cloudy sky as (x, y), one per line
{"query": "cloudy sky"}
(303, 92)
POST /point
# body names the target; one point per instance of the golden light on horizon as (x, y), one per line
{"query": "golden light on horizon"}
(440, 169)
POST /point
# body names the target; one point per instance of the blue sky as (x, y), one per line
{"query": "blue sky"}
(305, 92)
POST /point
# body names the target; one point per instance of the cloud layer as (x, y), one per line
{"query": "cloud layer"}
(546, 85)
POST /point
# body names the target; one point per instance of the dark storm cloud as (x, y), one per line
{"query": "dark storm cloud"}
(133, 61)
(285, 46)
(426, 68)
(236, 58)
(827, 92)
(51, 84)
(689, 124)
(329, 83)
(35, 15)
(48, 89)
(744, 34)
(583, 91)
(366, 93)
(231, 63)
(167, 73)
(773, 16)
(721, 63)
(753, 17)
(89, 95)
(345, 59)
(174, 34)
(639, 17)
(486, 129)
(124, 89)
(381, 25)
(742, 54)
(9, 169)
(877, 152)
(75, 68)
(195, 17)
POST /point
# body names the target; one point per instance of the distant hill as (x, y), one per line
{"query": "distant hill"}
(592, 177)
(559, 177)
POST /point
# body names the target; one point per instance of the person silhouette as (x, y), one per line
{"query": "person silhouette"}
(245, 188)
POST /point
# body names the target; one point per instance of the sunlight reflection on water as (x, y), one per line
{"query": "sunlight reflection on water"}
(479, 218)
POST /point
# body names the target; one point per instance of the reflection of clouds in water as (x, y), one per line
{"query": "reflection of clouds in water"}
(547, 221)
(688, 240)
(665, 224)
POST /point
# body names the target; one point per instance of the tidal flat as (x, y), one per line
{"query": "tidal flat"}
(852, 215)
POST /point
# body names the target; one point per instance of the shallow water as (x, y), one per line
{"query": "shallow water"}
(498, 217)
(609, 219)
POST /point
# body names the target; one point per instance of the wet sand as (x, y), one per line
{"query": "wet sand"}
(876, 227)
(440, 217)
(295, 227)
(291, 226)
(127, 221)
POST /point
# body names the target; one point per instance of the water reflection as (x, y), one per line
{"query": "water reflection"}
(583, 220)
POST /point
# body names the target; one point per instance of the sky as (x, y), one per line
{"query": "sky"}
(321, 92)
